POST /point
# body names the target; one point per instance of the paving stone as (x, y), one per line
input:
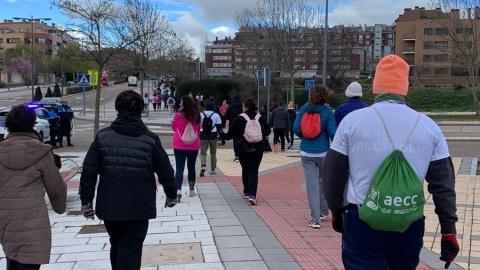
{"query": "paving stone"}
(175, 218)
(56, 266)
(217, 208)
(221, 214)
(283, 265)
(211, 258)
(194, 228)
(165, 236)
(171, 254)
(202, 266)
(266, 242)
(202, 234)
(209, 249)
(239, 254)
(253, 265)
(224, 222)
(94, 264)
(210, 196)
(228, 230)
(233, 241)
(275, 254)
(75, 249)
(70, 242)
(98, 240)
(214, 202)
(90, 229)
(84, 256)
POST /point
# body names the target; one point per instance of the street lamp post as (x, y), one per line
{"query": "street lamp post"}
(32, 20)
(325, 46)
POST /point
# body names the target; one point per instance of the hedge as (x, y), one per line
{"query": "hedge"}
(76, 90)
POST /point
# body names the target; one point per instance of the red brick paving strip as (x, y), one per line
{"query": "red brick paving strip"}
(283, 206)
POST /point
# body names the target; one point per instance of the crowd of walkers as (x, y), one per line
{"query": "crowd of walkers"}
(364, 166)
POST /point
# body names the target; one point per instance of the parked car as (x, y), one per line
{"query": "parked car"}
(50, 102)
(41, 126)
(132, 81)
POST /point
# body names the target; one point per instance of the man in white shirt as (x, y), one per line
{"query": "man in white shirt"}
(211, 127)
(360, 146)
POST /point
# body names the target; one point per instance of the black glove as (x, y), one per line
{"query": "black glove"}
(58, 161)
(449, 249)
(88, 211)
(170, 202)
(337, 220)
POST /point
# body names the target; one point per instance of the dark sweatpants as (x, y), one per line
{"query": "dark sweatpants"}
(367, 249)
(250, 162)
(126, 240)
(14, 265)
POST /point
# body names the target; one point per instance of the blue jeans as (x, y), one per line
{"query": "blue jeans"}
(364, 248)
(190, 156)
(313, 168)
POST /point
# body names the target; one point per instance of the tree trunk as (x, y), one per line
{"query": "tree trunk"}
(292, 88)
(473, 82)
(96, 123)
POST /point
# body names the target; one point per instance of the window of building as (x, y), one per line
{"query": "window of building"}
(238, 53)
(469, 31)
(390, 42)
(427, 31)
(441, 58)
(427, 44)
(441, 31)
(13, 40)
(251, 60)
(314, 51)
(299, 59)
(222, 50)
(222, 57)
(267, 52)
(222, 65)
(315, 66)
(238, 60)
(441, 71)
(41, 41)
(459, 72)
(390, 35)
(299, 51)
(441, 44)
(426, 71)
(251, 53)
(427, 58)
(252, 67)
(38, 30)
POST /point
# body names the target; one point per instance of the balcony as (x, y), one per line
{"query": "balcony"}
(408, 50)
(409, 37)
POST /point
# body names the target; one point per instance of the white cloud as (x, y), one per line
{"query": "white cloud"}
(221, 11)
(370, 12)
(193, 30)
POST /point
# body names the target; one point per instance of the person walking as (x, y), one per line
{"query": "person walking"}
(210, 129)
(376, 165)
(27, 171)
(126, 155)
(280, 122)
(146, 101)
(234, 110)
(53, 120)
(292, 114)
(171, 104)
(65, 114)
(249, 130)
(165, 99)
(315, 126)
(154, 101)
(186, 142)
(354, 102)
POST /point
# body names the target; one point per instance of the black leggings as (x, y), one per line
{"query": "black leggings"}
(190, 156)
(14, 265)
(250, 162)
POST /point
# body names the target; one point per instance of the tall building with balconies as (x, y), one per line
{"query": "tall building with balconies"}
(47, 40)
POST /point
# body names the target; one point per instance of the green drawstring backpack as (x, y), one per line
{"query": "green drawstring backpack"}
(395, 198)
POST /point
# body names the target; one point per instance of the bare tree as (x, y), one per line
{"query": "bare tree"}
(152, 27)
(460, 28)
(101, 24)
(176, 58)
(281, 23)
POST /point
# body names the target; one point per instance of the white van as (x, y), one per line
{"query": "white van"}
(132, 81)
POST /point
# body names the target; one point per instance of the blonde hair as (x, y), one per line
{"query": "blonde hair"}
(290, 105)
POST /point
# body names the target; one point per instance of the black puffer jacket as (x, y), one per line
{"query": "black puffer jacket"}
(237, 129)
(126, 155)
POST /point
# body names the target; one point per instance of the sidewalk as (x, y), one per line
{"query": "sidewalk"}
(219, 230)
(23, 88)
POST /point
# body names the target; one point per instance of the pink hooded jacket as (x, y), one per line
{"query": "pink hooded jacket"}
(179, 124)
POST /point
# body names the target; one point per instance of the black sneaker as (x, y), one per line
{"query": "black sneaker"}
(202, 171)
(179, 195)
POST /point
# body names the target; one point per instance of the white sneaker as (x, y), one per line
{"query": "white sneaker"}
(323, 217)
(314, 224)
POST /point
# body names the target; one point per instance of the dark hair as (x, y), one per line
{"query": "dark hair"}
(210, 106)
(250, 105)
(20, 119)
(320, 93)
(129, 102)
(190, 109)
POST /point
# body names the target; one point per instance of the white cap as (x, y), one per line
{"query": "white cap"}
(354, 90)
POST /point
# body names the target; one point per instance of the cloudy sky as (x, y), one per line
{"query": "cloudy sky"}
(201, 20)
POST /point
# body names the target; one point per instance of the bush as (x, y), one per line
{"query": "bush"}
(220, 89)
(56, 91)
(76, 90)
(38, 94)
(3, 85)
(49, 92)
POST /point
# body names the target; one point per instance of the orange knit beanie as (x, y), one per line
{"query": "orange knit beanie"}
(391, 76)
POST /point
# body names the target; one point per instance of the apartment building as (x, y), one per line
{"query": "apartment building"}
(47, 39)
(353, 52)
(429, 41)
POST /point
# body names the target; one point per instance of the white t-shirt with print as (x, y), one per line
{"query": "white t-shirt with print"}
(216, 120)
(362, 137)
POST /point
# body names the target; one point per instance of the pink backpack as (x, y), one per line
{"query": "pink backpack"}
(253, 129)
